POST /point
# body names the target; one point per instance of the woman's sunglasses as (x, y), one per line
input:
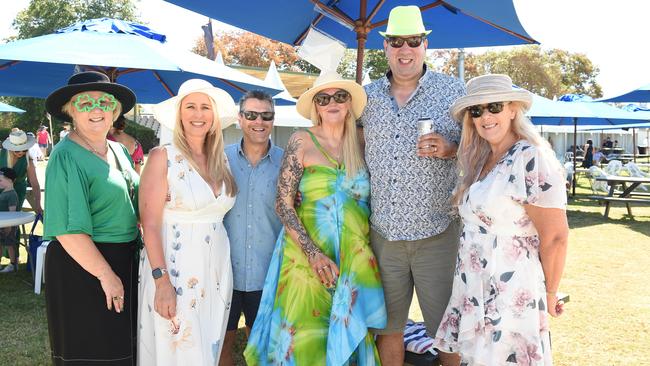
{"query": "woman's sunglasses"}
(397, 42)
(323, 99)
(477, 110)
(252, 116)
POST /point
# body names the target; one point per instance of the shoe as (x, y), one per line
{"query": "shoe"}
(9, 268)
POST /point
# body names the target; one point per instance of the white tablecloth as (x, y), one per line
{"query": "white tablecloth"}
(9, 218)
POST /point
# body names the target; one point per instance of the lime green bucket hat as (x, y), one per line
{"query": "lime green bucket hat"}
(405, 21)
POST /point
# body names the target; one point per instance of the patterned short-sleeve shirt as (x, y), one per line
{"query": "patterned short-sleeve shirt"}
(410, 195)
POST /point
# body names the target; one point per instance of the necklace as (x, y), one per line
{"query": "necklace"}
(103, 155)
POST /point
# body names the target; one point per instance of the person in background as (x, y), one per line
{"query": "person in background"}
(91, 196)
(8, 202)
(65, 131)
(599, 157)
(512, 200)
(34, 152)
(322, 291)
(14, 155)
(413, 231)
(608, 144)
(44, 139)
(252, 223)
(187, 188)
(132, 145)
(588, 160)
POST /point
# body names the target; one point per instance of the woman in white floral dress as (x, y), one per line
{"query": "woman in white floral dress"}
(512, 200)
(186, 276)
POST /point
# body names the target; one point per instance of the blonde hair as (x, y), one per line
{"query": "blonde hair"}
(473, 150)
(67, 107)
(351, 152)
(213, 144)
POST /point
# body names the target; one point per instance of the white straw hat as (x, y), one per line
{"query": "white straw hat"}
(18, 141)
(165, 112)
(306, 107)
(487, 89)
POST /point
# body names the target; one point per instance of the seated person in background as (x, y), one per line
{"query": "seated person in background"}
(8, 202)
(608, 143)
(615, 143)
(599, 157)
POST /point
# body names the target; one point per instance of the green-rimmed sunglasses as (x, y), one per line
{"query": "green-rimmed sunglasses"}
(86, 103)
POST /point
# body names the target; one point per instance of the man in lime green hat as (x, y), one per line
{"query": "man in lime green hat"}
(413, 234)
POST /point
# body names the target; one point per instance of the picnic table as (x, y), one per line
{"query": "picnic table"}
(627, 195)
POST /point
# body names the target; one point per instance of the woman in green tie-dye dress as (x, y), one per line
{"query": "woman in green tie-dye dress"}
(323, 290)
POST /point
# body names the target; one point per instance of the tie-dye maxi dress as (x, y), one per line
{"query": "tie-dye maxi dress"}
(300, 321)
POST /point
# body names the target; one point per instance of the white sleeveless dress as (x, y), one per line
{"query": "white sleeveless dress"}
(197, 255)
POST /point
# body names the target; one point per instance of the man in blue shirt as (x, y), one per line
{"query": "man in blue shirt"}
(252, 224)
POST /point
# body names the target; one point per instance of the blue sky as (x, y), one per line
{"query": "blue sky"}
(611, 33)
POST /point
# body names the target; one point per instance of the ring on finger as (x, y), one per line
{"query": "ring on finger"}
(435, 149)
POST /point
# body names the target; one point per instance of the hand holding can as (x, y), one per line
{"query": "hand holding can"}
(425, 127)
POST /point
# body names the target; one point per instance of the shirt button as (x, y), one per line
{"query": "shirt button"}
(394, 180)
(250, 205)
(395, 158)
(249, 247)
(397, 136)
(249, 226)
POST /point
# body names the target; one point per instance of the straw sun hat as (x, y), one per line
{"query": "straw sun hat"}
(306, 107)
(18, 141)
(165, 112)
(488, 89)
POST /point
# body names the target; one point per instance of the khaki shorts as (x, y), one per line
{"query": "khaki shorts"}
(426, 264)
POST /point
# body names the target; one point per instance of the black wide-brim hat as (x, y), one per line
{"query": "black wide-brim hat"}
(87, 81)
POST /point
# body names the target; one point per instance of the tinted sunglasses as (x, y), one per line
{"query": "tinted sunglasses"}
(323, 99)
(397, 42)
(477, 110)
(252, 116)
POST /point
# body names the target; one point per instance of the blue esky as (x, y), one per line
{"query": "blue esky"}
(611, 33)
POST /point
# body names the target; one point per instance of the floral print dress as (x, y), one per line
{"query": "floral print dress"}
(497, 311)
(197, 255)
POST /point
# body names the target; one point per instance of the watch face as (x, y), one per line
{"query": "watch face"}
(157, 273)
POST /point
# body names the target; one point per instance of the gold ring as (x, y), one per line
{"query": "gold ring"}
(435, 149)
(115, 298)
(320, 270)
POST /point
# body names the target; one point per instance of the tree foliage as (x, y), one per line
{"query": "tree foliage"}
(43, 17)
(249, 49)
(545, 72)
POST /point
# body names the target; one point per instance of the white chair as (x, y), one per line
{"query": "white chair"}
(634, 171)
(39, 274)
(596, 185)
(614, 167)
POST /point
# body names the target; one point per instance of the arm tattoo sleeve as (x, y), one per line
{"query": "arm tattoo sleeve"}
(288, 182)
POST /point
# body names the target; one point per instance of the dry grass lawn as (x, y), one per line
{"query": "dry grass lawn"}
(607, 321)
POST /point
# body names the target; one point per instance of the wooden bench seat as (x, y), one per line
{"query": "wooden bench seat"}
(621, 199)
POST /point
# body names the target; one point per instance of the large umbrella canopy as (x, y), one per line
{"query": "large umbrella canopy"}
(578, 110)
(8, 108)
(129, 53)
(639, 95)
(454, 23)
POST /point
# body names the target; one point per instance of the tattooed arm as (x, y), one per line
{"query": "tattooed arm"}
(288, 182)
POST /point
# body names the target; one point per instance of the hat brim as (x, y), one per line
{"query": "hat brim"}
(385, 35)
(165, 112)
(7, 145)
(55, 101)
(458, 108)
(305, 105)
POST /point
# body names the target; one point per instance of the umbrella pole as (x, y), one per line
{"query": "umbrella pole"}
(634, 144)
(575, 135)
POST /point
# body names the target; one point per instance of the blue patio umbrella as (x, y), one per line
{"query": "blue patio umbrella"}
(640, 95)
(454, 23)
(128, 52)
(8, 108)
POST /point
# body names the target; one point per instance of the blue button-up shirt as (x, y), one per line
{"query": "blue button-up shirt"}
(252, 224)
(410, 195)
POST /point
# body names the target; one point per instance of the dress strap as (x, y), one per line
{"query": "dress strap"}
(323, 151)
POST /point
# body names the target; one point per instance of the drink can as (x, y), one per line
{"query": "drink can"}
(425, 126)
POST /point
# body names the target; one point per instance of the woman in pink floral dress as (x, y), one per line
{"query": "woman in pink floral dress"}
(512, 200)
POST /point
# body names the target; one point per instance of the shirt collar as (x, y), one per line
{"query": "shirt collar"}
(240, 150)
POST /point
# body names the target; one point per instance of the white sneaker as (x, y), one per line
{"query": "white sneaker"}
(8, 269)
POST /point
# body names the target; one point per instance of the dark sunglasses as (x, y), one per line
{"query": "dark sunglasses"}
(252, 116)
(397, 42)
(477, 110)
(339, 97)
